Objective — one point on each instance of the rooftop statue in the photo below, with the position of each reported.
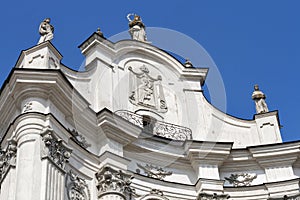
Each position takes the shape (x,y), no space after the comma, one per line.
(46,31)
(137,28)
(259,99)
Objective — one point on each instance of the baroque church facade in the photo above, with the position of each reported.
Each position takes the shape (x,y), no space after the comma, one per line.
(134,125)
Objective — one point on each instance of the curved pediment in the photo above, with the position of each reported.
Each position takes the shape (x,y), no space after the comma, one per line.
(117,54)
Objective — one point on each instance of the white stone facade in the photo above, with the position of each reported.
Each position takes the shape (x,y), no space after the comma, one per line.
(134,125)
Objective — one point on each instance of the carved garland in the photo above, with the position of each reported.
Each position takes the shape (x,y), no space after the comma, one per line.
(8,157)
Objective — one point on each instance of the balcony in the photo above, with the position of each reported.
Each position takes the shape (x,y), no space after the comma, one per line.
(156,127)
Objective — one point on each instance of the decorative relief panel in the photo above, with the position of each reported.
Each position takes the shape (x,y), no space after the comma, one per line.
(55,149)
(110,180)
(146,90)
(8,157)
(77,188)
(154,171)
(241,179)
(79,139)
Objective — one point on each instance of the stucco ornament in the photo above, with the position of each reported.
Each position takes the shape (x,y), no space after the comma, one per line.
(147,91)
(77,187)
(46,31)
(79,139)
(137,28)
(111,180)
(154,194)
(259,99)
(154,171)
(214,196)
(8,157)
(241,179)
(55,149)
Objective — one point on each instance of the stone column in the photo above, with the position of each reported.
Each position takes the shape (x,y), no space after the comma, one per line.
(113,184)
(28,161)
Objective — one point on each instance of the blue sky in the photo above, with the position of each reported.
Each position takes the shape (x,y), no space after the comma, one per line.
(250,41)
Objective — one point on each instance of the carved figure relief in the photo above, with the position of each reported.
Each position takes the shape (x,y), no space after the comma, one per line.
(241,179)
(154,171)
(8,157)
(147,91)
(55,149)
(77,188)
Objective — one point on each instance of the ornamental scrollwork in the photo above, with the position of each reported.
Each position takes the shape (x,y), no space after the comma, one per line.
(8,157)
(77,188)
(79,139)
(172,131)
(131,117)
(241,179)
(111,180)
(155,171)
(160,128)
(55,149)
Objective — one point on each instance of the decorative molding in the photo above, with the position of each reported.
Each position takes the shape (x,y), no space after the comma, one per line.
(27,107)
(214,196)
(154,171)
(79,139)
(110,180)
(285,197)
(241,179)
(77,188)
(35,57)
(160,128)
(147,91)
(55,149)
(8,157)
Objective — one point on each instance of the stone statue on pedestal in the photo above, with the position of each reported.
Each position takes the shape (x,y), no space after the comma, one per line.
(259,99)
(137,28)
(46,31)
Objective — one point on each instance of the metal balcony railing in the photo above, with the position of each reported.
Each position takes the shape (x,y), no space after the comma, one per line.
(158,128)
